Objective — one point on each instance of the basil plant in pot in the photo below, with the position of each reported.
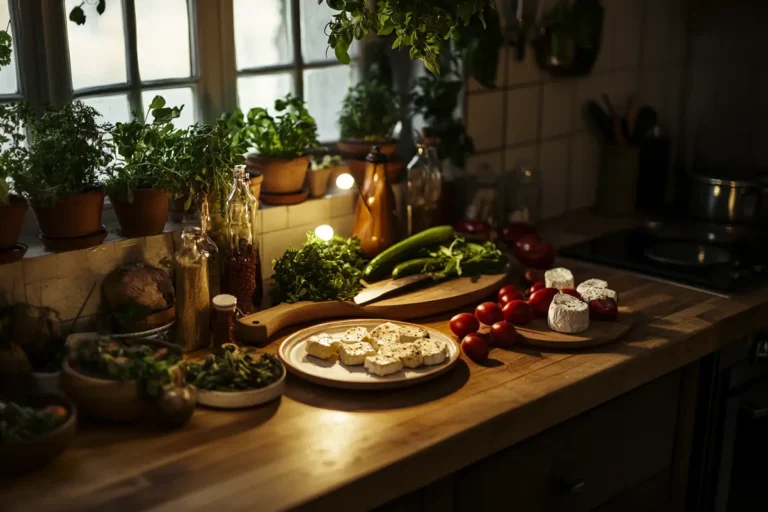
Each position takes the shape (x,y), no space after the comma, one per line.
(281,143)
(143,175)
(369,114)
(13,158)
(68,153)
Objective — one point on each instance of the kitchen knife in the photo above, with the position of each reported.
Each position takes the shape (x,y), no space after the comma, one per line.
(388,288)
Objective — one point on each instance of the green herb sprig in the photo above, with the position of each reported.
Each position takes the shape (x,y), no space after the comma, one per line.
(318,271)
(370,111)
(228,368)
(463,258)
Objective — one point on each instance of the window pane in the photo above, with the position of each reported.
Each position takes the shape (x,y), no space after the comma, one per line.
(262,90)
(262,33)
(174,98)
(97,49)
(324,91)
(113,108)
(8,75)
(314,42)
(162,38)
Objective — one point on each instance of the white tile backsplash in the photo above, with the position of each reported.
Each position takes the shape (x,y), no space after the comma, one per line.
(523,114)
(274,218)
(553,161)
(556,108)
(627,33)
(309,212)
(522,155)
(585,162)
(343,204)
(484,123)
(12,288)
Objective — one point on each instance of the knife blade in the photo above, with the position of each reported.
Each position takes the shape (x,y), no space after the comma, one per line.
(389,288)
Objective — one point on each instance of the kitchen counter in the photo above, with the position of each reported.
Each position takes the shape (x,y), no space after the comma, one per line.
(320,448)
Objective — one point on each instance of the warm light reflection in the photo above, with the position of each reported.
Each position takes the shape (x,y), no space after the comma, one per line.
(345,181)
(324,232)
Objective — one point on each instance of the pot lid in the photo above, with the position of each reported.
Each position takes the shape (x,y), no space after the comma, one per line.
(732,177)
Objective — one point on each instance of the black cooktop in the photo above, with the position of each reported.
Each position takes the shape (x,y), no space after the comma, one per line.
(723,259)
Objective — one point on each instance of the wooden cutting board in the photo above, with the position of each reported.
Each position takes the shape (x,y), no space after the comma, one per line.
(538,333)
(432,300)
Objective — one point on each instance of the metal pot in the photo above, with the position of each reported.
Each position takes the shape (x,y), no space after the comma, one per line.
(720,199)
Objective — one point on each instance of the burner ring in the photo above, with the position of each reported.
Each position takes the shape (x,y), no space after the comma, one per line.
(688,254)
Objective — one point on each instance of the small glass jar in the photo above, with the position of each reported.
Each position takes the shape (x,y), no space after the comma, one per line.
(224,316)
(243,264)
(193,299)
(521,193)
(424,188)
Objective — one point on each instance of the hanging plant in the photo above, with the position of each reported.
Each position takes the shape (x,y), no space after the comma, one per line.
(77,14)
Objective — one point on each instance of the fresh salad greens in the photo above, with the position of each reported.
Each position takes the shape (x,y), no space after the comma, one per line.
(319,271)
(153,366)
(18,422)
(230,369)
(463,258)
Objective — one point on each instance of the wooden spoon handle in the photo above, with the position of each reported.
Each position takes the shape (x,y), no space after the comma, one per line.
(259,327)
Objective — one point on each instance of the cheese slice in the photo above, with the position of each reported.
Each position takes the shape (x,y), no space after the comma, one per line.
(433,351)
(409,355)
(383,364)
(355,353)
(560,278)
(387,328)
(590,294)
(409,334)
(384,335)
(592,283)
(568,314)
(356,335)
(323,346)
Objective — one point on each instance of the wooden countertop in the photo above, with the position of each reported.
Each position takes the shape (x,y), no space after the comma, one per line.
(319,448)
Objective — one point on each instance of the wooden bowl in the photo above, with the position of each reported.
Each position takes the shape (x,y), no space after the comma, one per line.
(111,400)
(36,452)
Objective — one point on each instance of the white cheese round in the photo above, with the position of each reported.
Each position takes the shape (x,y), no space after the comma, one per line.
(560,278)
(592,283)
(590,294)
(568,314)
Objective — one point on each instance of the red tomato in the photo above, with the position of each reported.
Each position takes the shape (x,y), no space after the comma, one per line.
(531,251)
(503,334)
(475,347)
(507,298)
(489,313)
(473,227)
(571,291)
(603,309)
(541,299)
(538,285)
(518,312)
(527,240)
(511,231)
(463,324)
(530,276)
(511,290)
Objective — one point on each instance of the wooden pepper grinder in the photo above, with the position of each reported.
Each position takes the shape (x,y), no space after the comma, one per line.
(375,214)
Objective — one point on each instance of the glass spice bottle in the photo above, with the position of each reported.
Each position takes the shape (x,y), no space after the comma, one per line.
(214,259)
(242,264)
(224,315)
(424,188)
(193,299)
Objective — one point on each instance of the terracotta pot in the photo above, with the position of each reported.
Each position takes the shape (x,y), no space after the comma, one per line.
(255,183)
(318,181)
(13,220)
(146,216)
(358,149)
(280,176)
(71,216)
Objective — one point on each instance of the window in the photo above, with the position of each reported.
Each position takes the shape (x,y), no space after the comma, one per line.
(9,76)
(135,50)
(281,47)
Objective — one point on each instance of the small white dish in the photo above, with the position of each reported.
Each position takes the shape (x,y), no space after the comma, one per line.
(241,399)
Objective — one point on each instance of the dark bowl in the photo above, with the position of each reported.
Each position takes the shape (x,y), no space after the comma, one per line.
(37,452)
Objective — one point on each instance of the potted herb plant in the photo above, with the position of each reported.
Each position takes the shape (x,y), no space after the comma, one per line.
(321,171)
(12,159)
(281,143)
(369,114)
(140,181)
(67,154)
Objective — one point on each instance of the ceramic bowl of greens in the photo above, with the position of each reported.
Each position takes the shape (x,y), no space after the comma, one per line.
(114,380)
(34,430)
(235,378)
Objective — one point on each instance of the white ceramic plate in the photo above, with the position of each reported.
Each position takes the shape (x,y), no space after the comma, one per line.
(293,353)
(241,399)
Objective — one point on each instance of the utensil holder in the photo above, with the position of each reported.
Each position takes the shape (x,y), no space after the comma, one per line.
(617,185)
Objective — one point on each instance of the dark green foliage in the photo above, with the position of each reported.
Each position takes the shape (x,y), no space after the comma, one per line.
(370,111)
(18,423)
(13,155)
(464,258)
(228,368)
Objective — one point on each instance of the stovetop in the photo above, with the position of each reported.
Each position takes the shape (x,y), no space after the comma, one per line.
(718,258)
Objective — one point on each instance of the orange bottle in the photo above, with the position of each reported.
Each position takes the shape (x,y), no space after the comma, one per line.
(375,214)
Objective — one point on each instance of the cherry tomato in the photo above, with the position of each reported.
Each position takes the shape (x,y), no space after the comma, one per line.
(489,313)
(518,312)
(603,309)
(503,334)
(473,227)
(541,299)
(531,251)
(59,412)
(475,347)
(510,290)
(527,240)
(538,285)
(463,324)
(511,231)
(507,298)
(572,292)
(530,276)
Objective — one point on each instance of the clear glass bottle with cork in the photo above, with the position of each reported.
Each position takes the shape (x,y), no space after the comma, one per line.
(424,187)
(193,298)
(242,265)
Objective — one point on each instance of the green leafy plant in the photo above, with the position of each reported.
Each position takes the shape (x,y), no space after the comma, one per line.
(18,423)
(421,26)
(327,162)
(13,153)
(77,14)
(370,111)
(288,135)
(146,153)
(68,153)
(229,368)
(318,271)
(580,22)
(6,47)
